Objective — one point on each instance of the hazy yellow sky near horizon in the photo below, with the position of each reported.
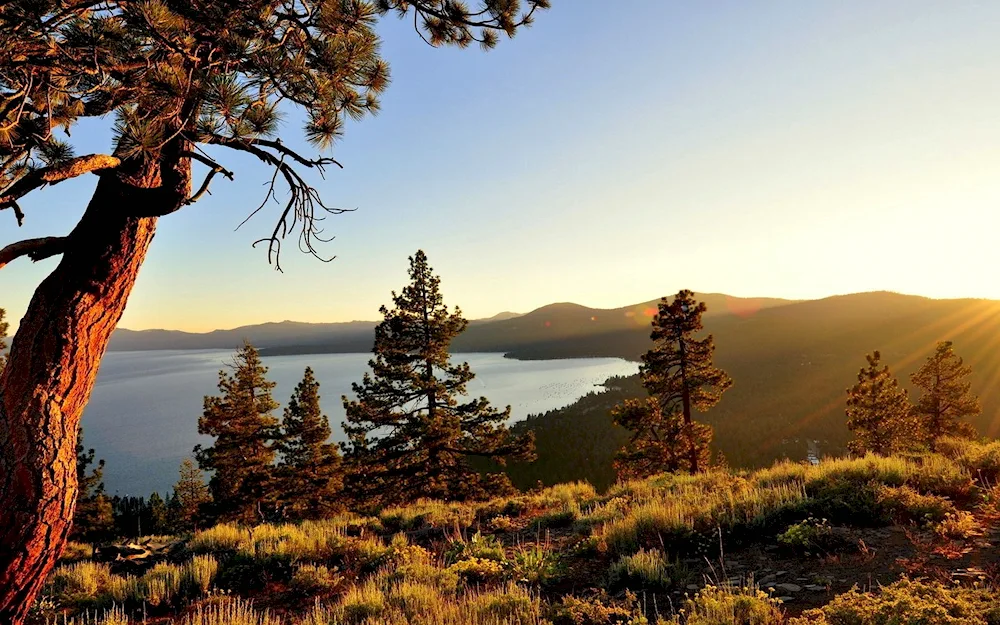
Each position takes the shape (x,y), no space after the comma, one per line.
(774,148)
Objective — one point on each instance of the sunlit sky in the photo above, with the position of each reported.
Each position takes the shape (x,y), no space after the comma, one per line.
(613,153)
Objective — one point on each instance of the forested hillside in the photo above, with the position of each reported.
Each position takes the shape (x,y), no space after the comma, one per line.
(791,366)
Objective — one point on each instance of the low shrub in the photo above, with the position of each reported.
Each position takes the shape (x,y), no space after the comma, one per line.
(730,606)
(907,602)
(478,570)
(644,569)
(310,580)
(536,564)
(958,525)
(594,610)
(482,546)
(906,505)
(511,605)
(812,537)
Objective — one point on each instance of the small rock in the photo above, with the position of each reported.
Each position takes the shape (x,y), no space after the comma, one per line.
(816,588)
(786,599)
(766,579)
(780,573)
(693,587)
(790,587)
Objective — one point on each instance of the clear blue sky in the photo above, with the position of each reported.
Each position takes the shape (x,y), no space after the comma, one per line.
(613,153)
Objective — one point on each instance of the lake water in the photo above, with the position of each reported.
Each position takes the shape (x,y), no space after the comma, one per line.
(143,415)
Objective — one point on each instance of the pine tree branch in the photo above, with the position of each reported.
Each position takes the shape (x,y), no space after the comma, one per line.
(35,249)
(54,174)
(215,169)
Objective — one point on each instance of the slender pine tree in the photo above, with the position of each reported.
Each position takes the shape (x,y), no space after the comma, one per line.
(158,521)
(310,474)
(679,376)
(411,431)
(242,457)
(879,412)
(946,400)
(190,498)
(93,519)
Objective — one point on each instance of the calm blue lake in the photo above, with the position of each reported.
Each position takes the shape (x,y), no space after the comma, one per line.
(143,415)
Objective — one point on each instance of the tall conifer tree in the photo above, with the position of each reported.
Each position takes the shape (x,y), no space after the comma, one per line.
(411,431)
(310,473)
(242,456)
(879,412)
(679,376)
(93,519)
(191,495)
(946,400)
(158,523)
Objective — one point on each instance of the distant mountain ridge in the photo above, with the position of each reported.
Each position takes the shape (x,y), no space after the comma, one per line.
(505,332)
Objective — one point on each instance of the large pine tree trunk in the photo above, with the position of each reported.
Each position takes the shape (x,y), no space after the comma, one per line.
(53,363)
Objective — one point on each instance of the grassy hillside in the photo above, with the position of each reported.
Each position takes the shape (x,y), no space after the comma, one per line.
(778,546)
(790,365)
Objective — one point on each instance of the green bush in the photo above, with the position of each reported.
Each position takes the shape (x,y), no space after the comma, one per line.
(812,537)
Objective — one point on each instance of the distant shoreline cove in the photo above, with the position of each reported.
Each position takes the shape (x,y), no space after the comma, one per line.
(277,352)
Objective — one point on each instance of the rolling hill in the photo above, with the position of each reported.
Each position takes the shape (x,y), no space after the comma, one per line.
(791,365)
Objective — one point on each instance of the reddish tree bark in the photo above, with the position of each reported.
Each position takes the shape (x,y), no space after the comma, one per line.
(54,359)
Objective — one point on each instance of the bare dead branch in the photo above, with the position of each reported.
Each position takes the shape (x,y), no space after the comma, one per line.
(216,169)
(304,203)
(35,249)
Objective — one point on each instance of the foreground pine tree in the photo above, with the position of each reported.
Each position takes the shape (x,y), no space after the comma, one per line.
(879,412)
(241,458)
(679,376)
(191,496)
(93,519)
(310,479)
(175,75)
(946,401)
(411,431)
